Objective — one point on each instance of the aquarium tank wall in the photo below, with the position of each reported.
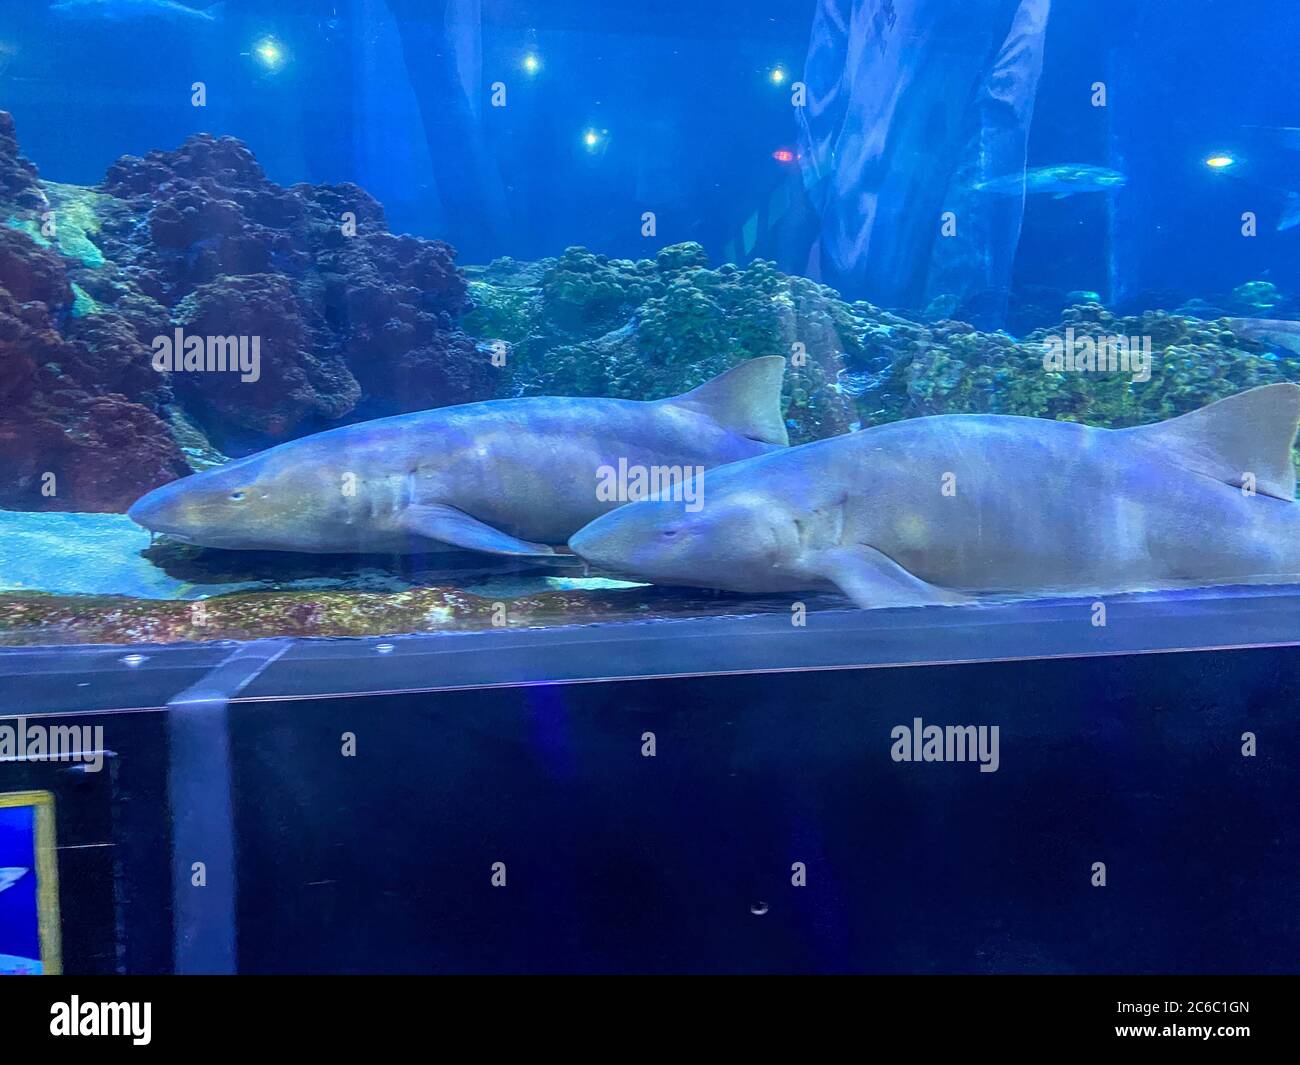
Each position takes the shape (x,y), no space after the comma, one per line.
(940,354)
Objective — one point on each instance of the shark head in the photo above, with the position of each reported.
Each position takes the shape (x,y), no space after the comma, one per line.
(273,501)
(721,545)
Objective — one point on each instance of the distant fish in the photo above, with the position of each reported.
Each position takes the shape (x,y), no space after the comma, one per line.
(1277,331)
(1066,179)
(1287,136)
(123,10)
(1290,216)
(10,875)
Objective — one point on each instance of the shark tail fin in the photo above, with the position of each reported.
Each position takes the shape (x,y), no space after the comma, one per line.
(1250,433)
(1290,217)
(745,399)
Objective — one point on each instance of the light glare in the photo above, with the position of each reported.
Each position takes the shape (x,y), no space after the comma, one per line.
(269,52)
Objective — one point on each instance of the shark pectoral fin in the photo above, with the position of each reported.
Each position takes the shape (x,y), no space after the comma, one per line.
(1061,196)
(451,526)
(873,579)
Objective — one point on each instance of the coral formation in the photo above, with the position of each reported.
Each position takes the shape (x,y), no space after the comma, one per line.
(352,322)
(656,327)
(32,618)
(587,325)
(70,438)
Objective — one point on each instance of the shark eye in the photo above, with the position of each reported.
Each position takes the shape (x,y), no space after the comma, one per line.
(236,496)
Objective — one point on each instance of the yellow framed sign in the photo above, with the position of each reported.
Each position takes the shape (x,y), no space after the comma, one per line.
(29,885)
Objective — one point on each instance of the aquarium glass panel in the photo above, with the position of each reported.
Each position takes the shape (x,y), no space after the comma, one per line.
(974,324)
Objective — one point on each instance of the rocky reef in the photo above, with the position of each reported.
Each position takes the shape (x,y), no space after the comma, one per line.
(28,619)
(353,322)
(584,324)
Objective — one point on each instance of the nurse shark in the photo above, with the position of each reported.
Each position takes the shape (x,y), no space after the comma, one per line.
(1066,179)
(510,476)
(937,510)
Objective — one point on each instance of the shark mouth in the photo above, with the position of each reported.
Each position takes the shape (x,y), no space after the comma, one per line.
(169,538)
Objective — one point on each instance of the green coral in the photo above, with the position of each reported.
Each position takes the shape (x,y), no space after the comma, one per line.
(83,303)
(956,370)
(682,257)
(29,227)
(584,292)
(587,325)
(952,368)
(75,213)
(500,313)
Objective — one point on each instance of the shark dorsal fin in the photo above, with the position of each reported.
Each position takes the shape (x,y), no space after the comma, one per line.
(745,399)
(1249,433)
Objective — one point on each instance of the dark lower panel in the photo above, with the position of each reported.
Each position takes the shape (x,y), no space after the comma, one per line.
(614,861)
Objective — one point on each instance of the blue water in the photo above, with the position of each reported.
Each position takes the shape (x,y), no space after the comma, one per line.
(681,96)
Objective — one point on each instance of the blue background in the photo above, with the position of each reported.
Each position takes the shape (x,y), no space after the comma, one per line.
(19,919)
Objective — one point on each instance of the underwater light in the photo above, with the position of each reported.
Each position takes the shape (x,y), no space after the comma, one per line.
(1220,162)
(532,64)
(269,51)
(591,138)
(783,155)
(777,75)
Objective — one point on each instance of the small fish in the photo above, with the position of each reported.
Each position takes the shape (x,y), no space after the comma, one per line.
(1066,179)
(1287,136)
(122,10)
(1277,331)
(10,875)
